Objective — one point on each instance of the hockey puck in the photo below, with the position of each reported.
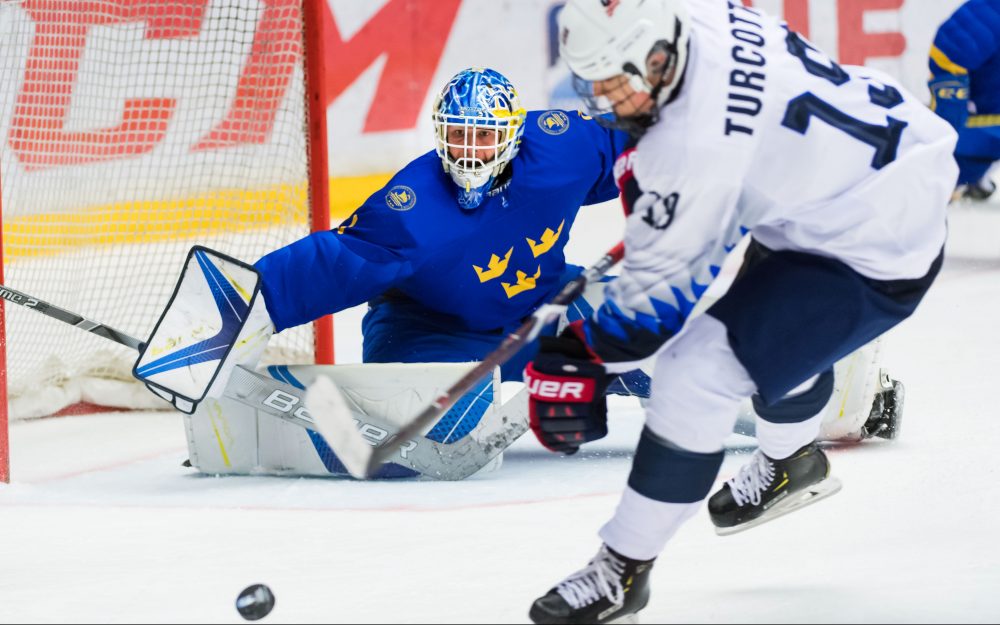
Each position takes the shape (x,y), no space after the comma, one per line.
(255,602)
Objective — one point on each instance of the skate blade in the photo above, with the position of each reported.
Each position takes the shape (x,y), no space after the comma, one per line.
(630,619)
(808,496)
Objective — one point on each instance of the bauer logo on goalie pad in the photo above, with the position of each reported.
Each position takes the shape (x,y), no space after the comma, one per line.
(214,321)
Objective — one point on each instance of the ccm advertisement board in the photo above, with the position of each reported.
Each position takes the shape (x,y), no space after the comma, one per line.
(385,60)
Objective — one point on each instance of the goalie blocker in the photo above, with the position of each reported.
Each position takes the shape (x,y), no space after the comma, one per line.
(214,321)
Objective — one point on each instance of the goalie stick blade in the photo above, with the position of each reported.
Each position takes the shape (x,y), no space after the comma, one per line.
(335,422)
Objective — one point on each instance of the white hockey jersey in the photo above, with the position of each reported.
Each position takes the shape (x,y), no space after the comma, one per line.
(768,135)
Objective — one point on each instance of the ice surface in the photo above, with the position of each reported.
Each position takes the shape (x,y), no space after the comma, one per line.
(102,524)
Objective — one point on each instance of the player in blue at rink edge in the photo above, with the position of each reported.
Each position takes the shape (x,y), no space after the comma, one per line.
(464,242)
(965,90)
(842,180)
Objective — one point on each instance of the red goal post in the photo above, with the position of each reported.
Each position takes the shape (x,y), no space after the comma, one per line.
(131,130)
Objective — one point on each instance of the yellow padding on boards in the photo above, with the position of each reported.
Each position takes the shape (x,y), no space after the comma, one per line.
(347,194)
(233,210)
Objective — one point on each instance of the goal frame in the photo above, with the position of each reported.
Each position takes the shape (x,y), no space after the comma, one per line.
(314,71)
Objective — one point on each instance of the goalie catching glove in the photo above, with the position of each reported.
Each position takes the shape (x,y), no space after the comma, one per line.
(215,321)
(566,387)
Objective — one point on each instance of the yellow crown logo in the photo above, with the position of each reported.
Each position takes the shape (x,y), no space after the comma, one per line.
(495,268)
(524,283)
(548,239)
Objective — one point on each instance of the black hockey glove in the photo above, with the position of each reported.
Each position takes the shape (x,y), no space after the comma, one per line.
(566,386)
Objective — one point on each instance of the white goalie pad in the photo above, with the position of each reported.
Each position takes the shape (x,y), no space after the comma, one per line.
(230,436)
(856,381)
(215,320)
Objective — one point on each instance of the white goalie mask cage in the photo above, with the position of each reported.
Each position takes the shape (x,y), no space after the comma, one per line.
(485,109)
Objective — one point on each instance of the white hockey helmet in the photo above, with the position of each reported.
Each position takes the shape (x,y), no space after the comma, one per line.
(646,40)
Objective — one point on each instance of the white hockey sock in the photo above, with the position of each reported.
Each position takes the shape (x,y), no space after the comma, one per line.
(642,526)
(781,440)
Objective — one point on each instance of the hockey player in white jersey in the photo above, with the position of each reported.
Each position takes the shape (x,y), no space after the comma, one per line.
(841,178)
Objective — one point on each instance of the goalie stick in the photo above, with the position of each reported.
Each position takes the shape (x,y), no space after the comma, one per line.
(443,461)
(335,420)
(49,310)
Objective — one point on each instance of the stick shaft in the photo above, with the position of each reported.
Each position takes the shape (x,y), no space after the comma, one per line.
(507,349)
(49,310)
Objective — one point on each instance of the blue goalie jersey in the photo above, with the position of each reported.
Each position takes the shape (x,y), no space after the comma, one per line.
(482,269)
(965,84)
(968,44)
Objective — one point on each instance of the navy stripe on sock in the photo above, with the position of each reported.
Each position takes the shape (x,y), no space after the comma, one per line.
(664,472)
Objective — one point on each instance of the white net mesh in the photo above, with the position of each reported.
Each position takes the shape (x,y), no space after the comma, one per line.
(133,129)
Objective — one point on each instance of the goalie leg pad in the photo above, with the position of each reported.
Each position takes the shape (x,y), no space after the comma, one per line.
(261,425)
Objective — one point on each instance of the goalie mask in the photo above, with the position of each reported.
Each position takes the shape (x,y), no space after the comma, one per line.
(622,50)
(478,123)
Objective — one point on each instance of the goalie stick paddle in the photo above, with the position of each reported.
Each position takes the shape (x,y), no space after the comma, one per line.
(16,297)
(336,423)
(333,419)
(336,416)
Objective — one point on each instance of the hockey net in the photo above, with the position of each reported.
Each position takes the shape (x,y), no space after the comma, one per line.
(133,129)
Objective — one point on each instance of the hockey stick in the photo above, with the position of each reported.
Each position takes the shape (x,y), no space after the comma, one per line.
(49,310)
(335,421)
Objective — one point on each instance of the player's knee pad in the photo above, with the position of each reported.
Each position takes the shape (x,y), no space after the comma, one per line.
(797,407)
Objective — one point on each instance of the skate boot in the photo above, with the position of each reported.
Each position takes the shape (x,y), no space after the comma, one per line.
(765,489)
(610,589)
(980,191)
(887,410)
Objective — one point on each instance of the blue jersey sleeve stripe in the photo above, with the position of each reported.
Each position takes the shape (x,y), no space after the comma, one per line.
(983,121)
(941,59)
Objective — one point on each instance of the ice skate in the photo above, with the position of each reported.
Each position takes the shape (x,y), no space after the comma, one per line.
(887,410)
(610,589)
(766,489)
(979,191)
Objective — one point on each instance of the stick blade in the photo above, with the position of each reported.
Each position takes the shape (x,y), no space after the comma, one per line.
(335,422)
